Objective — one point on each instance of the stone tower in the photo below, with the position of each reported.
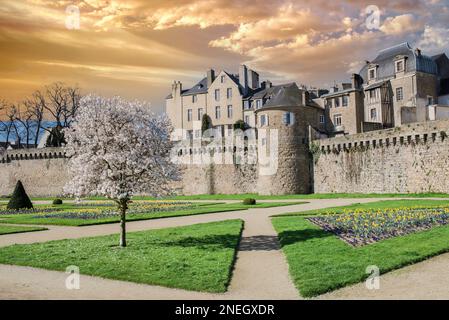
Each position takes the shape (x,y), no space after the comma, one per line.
(283,124)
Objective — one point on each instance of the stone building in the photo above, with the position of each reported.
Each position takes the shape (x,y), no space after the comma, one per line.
(225,98)
(400,84)
(344,107)
(219,96)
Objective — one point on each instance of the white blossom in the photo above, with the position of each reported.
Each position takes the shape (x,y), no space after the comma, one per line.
(118,148)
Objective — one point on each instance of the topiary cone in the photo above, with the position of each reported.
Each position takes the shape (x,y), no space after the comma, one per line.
(19,198)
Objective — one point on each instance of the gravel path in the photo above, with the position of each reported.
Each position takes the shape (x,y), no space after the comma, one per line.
(261,271)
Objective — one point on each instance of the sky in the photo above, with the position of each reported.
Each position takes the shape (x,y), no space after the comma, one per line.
(137,48)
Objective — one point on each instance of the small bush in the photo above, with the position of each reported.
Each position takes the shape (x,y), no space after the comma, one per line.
(19,198)
(57,201)
(249,201)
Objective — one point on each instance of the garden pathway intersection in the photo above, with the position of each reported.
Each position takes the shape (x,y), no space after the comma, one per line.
(260,271)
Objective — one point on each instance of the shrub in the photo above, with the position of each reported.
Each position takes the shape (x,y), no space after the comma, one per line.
(57,201)
(249,201)
(19,198)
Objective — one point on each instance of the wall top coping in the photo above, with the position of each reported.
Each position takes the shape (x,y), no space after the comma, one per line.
(404,130)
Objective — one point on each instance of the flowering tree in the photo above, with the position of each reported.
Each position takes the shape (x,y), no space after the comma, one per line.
(118,148)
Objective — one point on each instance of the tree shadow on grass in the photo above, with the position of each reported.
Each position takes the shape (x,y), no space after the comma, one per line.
(259,243)
(218,241)
(291,237)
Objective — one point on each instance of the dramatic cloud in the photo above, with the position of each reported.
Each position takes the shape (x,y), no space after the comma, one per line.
(434,39)
(401,24)
(136,48)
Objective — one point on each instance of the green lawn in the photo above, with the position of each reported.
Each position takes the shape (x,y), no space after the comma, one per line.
(320,262)
(197,257)
(18,229)
(198,209)
(372,205)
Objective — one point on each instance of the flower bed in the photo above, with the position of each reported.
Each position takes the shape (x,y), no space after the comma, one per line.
(4,211)
(100,213)
(363,227)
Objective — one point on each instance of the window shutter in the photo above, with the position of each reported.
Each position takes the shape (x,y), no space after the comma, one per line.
(292,118)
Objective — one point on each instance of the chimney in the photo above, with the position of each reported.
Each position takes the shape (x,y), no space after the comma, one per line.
(356,81)
(243,78)
(176,88)
(210,77)
(305,97)
(253,79)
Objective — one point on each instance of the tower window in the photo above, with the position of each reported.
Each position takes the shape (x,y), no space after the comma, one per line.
(289,118)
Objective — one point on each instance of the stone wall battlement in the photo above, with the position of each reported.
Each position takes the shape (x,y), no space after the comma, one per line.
(426,132)
(32,154)
(408,159)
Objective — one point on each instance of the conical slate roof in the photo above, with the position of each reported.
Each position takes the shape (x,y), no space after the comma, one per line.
(286,96)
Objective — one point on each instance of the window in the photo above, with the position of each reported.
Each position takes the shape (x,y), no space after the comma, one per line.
(329,103)
(288,118)
(247,120)
(374,95)
(337,102)
(400,66)
(337,120)
(263,120)
(217,112)
(258,104)
(194,98)
(247,104)
(429,100)
(189,115)
(321,118)
(372,74)
(229,93)
(200,114)
(399,94)
(197,134)
(229,130)
(217,94)
(223,79)
(229,111)
(373,113)
(345,101)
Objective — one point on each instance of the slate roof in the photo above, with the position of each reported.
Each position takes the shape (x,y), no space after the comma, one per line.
(414,62)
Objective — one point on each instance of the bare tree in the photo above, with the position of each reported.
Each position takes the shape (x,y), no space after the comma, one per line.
(35,109)
(61,102)
(12,114)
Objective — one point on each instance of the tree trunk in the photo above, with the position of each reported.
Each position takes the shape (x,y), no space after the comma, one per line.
(123,225)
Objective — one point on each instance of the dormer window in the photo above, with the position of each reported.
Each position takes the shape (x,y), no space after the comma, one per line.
(399,66)
(372,74)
